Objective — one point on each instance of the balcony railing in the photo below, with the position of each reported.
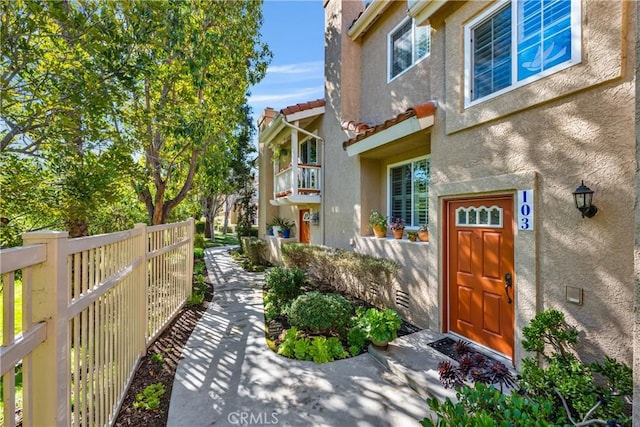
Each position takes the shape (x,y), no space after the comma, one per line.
(307,182)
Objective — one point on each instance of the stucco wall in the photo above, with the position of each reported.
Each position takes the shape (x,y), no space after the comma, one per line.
(636,335)
(381,99)
(559,135)
(341,174)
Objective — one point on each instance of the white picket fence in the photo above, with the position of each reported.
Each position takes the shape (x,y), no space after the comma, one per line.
(90,308)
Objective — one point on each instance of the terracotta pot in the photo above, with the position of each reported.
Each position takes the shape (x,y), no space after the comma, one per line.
(382,344)
(412,237)
(380,231)
(398,233)
(423,236)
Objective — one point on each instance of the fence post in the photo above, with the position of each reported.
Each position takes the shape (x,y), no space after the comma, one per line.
(189,267)
(143,281)
(50,360)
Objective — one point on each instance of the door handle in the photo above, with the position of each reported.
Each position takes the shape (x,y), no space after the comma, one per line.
(508,282)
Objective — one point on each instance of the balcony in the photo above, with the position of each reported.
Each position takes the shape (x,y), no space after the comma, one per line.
(296,185)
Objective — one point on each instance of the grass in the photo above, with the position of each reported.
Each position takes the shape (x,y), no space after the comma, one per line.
(16,330)
(223,240)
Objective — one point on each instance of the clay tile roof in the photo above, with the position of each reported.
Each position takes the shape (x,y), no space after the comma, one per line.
(418,111)
(302,107)
(355,127)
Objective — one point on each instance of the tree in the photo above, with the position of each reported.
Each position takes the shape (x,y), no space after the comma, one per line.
(201,61)
(226,169)
(63,78)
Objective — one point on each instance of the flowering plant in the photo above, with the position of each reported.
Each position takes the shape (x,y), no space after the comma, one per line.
(397,224)
(423,227)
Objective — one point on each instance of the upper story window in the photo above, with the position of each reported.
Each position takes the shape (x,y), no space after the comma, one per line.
(409,191)
(407,45)
(517,42)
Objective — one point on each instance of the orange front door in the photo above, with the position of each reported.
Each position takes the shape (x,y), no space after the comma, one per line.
(305,229)
(480,271)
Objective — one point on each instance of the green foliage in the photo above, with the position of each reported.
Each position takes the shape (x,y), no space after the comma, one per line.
(380,325)
(198,253)
(564,391)
(338,267)
(287,347)
(254,249)
(484,405)
(199,266)
(149,399)
(302,349)
(320,313)
(549,329)
(157,358)
(285,282)
(357,339)
(198,241)
(376,219)
(320,352)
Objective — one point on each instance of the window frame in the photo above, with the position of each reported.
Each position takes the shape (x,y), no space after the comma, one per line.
(389,195)
(414,60)
(576,50)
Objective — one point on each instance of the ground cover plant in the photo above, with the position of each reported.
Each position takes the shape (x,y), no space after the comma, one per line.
(554,388)
(307,321)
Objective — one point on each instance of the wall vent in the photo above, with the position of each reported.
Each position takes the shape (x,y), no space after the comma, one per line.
(402,298)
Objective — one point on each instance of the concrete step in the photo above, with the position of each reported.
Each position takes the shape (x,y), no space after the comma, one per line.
(415,363)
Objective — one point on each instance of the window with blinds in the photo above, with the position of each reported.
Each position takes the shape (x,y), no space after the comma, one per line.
(407,45)
(520,41)
(409,191)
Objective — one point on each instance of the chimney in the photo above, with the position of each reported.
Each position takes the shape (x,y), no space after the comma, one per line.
(266,118)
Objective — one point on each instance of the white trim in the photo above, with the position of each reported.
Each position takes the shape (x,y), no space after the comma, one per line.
(388,178)
(395,132)
(368,17)
(488,209)
(414,60)
(576,51)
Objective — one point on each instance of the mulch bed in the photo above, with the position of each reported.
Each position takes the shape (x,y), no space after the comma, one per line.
(170,344)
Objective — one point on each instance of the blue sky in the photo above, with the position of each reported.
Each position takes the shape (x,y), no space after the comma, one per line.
(294,31)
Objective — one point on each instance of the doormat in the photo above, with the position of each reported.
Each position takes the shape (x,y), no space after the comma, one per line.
(446,346)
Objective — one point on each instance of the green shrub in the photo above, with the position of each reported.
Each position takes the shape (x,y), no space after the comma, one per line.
(200,225)
(198,241)
(149,399)
(287,347)
(198,253)
(564,391)
(357,339)
(319,350)
(344,270)
(320,313)
(336,350)
(484,405)
(380,325)
(302,349)
(285,282)
(254,249)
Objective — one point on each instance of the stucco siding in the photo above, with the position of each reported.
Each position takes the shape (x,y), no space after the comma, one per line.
(381,99)
(580,126)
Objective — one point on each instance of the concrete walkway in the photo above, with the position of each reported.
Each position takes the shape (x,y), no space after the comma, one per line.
(228,375)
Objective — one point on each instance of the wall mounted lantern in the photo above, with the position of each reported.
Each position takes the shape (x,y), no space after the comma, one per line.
(583,197)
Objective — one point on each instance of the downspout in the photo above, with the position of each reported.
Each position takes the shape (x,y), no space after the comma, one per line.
(299,129)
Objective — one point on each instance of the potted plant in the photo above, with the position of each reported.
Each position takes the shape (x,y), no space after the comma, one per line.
(378,223)
(381,326)
(423,233)
(397,227)
(285,228)
(275,225)
(412,236)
